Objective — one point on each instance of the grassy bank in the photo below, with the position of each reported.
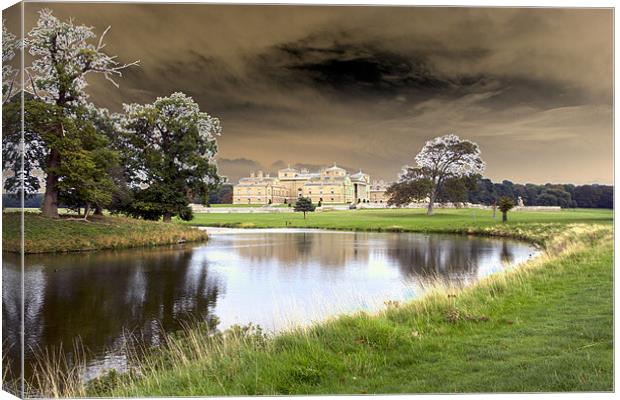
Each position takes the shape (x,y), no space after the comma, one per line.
(43,235)
(547,326)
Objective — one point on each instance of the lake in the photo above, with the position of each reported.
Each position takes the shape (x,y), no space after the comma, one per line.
(275,278)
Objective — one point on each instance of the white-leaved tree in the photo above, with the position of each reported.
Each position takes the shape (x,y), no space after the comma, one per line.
(63,55)
(9,74)
(442,160)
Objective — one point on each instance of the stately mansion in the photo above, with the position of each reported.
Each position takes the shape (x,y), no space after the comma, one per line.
(333,185)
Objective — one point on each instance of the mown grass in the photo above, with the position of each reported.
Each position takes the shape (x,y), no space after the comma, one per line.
(43,235)
(412,220)
(546,326)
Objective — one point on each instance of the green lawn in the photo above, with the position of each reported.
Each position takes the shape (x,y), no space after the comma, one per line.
(444,220)
(43,235)
(547,326)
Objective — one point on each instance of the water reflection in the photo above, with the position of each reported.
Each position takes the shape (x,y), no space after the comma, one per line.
(269,278)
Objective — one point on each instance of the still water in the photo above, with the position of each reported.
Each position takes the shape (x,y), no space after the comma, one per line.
(273,278)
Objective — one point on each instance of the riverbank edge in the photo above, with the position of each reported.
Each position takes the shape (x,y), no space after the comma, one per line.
(56,236)
(534,233)
(163,372)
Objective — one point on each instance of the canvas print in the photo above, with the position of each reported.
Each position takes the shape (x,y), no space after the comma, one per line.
(231,199)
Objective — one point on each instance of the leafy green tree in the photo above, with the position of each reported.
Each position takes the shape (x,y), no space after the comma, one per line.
(169,148)
(416,188)
(505,204)
(85,170)
(86,159)
(408,190)
(304,204)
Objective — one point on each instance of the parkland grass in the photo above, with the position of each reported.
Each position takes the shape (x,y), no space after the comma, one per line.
(533,226)
(44,235)
(545,326)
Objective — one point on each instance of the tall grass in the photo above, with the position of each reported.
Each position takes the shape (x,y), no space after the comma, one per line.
(450,331)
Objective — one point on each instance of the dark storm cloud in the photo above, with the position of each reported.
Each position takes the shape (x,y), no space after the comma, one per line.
(347,67)
(367,86)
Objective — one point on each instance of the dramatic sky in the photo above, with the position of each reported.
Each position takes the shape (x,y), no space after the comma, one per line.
(366,86)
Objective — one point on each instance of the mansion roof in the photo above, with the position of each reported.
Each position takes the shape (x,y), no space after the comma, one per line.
(333,175)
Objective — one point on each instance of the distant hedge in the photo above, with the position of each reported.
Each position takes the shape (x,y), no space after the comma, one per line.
(549,194)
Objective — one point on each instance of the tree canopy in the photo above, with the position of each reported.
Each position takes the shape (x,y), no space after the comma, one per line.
(170,147)
(442,168)
(505,204)
(148,161)
(304,204)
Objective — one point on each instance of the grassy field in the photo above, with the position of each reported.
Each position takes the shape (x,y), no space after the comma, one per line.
(414,220)
(44,235)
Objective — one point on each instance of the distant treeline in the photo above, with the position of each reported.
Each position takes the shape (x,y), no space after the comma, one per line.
(563,195)
(223,194)
(484,192)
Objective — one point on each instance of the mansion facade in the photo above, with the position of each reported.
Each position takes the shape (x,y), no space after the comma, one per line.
(333,185)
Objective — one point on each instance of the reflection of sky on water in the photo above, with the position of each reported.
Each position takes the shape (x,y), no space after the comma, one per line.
(272,278)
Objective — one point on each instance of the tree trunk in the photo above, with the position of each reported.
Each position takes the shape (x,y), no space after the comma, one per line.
(98,210)
(431,202)
(167,217)
(504,216)
(304,215)
(86,211)
(49,208)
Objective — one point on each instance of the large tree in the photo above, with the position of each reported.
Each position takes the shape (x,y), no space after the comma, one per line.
(444,160)
(171,146)
(63,55)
